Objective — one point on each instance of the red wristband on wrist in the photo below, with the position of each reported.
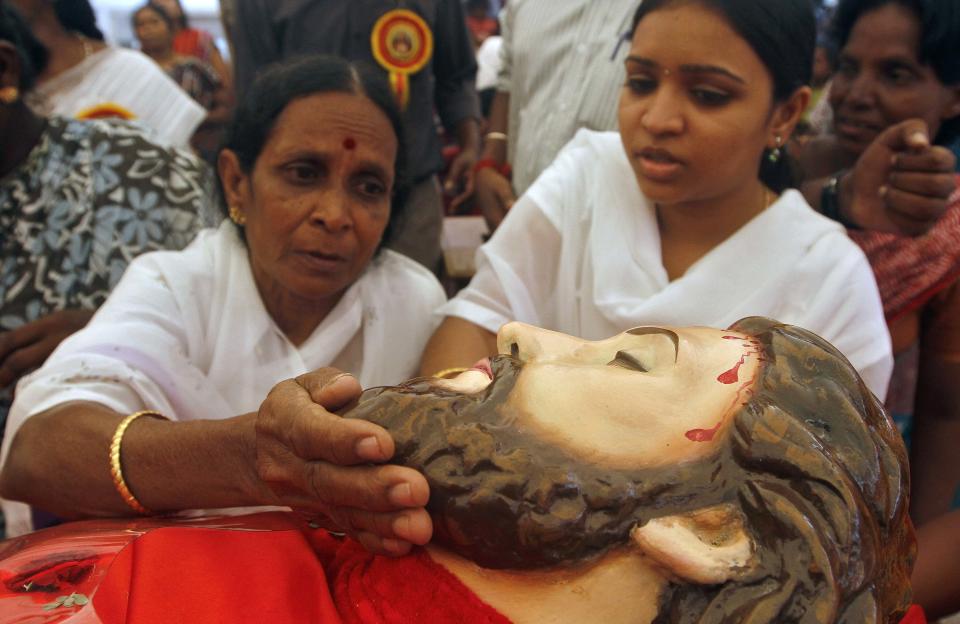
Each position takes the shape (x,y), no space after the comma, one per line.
(489,163)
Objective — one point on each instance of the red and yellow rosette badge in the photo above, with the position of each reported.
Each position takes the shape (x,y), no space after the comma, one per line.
(402,43)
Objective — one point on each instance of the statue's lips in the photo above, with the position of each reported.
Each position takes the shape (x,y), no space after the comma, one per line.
(484,367)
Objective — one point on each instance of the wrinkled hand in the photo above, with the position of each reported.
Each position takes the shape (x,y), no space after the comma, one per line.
(461,174)
(27,347)
(901,183)
(319,464)
(494,195)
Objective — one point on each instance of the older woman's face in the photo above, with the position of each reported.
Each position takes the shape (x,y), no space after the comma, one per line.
(318,198)
(880,81)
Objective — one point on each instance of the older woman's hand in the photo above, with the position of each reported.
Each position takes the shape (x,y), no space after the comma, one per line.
(319,464)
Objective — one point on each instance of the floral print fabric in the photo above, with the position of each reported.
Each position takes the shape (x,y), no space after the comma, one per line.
(90,197)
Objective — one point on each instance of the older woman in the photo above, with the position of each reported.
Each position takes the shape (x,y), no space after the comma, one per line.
(892,157)
(296,281)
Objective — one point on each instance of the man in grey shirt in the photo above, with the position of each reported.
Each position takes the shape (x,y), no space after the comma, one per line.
(423,46)
(561,70)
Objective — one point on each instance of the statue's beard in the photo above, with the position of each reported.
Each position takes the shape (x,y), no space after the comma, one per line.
(505,498)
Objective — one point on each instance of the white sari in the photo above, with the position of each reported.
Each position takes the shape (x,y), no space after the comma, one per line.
(186,334)
(580,253)
(117,82)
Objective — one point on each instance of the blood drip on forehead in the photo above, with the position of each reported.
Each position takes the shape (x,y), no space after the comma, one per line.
(349,143)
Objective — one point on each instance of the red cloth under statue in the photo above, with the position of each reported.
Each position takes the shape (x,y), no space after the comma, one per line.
(267,567)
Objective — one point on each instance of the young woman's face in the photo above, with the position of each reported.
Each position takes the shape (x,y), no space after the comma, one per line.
(697,109)
(151,30)
(880,80)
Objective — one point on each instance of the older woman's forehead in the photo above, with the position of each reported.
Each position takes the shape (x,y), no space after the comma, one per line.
(329,119)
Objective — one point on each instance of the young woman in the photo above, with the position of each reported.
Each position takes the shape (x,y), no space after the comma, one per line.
(685,217)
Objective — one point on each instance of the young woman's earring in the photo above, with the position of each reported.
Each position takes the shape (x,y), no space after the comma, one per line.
(776,153)
(236,216)
(9,95)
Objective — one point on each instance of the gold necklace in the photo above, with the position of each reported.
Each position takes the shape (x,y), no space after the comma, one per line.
(85,44)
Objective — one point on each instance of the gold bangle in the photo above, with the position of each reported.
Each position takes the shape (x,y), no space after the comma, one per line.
(449,372)
(495,136)
(117,471)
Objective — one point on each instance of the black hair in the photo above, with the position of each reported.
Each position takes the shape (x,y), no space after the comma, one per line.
(939,40)
(280,84)
(33,55)
(159,10)
(181,21)
(78,16)
(783,34)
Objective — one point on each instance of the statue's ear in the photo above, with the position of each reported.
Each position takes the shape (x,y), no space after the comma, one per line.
(707,547)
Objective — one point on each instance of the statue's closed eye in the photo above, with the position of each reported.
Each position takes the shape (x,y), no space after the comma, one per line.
(625,359)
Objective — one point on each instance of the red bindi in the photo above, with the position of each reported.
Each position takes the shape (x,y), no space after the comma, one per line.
(349,143)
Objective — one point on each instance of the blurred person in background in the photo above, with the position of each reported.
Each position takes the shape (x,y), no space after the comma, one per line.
(189,41)
(154,29)
(480,22)
(561,69)
(78,201)
(87,79)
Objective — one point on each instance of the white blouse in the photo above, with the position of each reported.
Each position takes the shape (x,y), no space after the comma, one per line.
(580,253)
(186,333)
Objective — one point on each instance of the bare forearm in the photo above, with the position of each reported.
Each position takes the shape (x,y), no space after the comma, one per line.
(468,135)
(935,583)
(457,343)
(59,461)
(498,122)
(935,473)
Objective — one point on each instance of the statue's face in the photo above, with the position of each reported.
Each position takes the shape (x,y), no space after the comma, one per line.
(647,397)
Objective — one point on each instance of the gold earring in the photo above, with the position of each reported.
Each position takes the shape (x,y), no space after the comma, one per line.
(236,216)
(9,95)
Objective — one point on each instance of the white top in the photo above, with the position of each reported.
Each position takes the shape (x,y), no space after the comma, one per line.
(128,79)
(562,64)
(580,253)
(186,333)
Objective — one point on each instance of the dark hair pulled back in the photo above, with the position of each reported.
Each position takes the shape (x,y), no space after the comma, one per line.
(280,84)
(78,16)
(783,34)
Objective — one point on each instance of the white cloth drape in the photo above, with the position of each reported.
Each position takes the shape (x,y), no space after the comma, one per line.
(186,333)
(127,78)
(580,253)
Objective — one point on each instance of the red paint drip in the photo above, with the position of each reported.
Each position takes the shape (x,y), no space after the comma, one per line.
(703,435)
(349,143)
(733,338)
(732,375)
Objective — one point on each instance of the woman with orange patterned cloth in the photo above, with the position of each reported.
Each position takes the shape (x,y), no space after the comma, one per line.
(896,104)
(88,79)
